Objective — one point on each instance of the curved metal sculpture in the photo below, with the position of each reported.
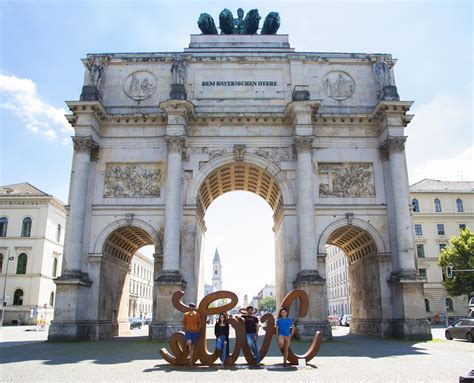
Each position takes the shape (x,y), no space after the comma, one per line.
(271,24)
(179,351)
(206,24)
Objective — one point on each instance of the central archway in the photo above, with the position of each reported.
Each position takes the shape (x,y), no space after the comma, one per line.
(263,178)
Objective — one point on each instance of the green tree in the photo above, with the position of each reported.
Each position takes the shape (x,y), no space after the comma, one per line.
(460,254)
(267,304)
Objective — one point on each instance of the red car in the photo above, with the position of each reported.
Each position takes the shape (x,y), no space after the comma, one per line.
(461,329)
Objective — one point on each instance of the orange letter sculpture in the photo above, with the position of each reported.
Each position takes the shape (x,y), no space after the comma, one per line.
(180,354)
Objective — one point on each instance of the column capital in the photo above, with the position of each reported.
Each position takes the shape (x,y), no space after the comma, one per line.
(392,144)
(86,144)
(303,144)
(175,144)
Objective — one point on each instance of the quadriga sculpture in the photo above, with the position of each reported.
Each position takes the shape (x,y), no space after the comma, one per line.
(271,24)
(251,22)
(206,24)
(226,22)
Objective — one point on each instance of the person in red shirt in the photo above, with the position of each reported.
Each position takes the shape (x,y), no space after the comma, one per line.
(192,329)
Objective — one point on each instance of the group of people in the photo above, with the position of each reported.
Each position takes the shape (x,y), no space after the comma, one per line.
(192,329)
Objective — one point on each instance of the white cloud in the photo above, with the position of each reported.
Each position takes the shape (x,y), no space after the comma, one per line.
(38,116)
(458,167)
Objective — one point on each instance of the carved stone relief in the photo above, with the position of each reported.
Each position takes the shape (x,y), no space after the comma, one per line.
(346,179)
(133,180)
(274,154)
(338,85)
(140,85)
(216,153)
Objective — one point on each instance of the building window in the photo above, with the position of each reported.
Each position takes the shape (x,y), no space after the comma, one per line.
(442,246)
(55,267)
(449,304)
(58,234)
(462,226)
(427,305)
(437,205)
(440,227)
(18,297)
(26,227)
(418,229)
(422,273)
(416,206)
(420,250)
(51,299)
(1,263)
(215,272)
(459,207)
(3,226)
(21,264)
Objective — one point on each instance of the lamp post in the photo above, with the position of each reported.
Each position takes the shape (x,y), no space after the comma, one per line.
(5,287)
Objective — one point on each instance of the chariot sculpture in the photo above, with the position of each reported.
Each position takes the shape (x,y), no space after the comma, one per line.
(240,25)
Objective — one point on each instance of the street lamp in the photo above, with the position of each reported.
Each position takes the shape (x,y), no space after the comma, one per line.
(4,303)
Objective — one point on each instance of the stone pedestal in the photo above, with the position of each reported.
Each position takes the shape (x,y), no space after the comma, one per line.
(70,311)
(409,317)
(177,92)
(316,320)
(167,320)
(90,93)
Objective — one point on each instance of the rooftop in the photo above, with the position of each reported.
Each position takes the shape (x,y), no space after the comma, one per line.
(437,186)
(21,189)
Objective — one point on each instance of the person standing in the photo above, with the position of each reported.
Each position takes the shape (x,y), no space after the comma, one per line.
(192,329)
(251,332)
(221,331)
(284,330)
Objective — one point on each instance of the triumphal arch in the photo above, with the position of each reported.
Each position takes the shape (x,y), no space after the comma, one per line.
(159,136)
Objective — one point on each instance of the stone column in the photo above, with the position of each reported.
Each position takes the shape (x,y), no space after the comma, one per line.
(408,316)
(393,148)
(173,204)
(84,147)
(305,203)
(73,286)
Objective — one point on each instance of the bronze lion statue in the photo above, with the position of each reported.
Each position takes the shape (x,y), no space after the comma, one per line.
(271,24)
(226,22)
(206,24)
(251,22)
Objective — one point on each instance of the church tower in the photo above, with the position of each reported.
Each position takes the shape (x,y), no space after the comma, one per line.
(216,272)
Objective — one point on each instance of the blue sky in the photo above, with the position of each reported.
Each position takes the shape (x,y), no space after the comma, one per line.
(42,43)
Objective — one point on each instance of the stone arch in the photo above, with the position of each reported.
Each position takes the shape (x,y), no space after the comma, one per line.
(269,167)
(137,229)
(361,244)
(342,229)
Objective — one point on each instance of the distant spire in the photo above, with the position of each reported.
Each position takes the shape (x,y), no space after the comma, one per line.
(216,257)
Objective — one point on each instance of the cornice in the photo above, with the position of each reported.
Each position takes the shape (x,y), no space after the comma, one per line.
(94,108)
(385,108)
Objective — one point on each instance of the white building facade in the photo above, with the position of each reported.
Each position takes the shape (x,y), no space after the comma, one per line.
(140,287)
(32,227)
(338,285)
(319,136)
(440,210)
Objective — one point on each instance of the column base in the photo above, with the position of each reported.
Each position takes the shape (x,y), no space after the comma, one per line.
(412,329)
(371,327)
(80,330)
(316,319)
(167,319)
(409,317)
(162,331)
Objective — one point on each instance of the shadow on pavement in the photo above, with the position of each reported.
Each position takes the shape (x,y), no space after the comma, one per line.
(127,349)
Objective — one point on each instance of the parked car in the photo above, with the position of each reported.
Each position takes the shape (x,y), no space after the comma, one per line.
(461,329)
(147,320)
(135,323)
(346,320)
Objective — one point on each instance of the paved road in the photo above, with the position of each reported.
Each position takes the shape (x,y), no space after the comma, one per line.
(346,358)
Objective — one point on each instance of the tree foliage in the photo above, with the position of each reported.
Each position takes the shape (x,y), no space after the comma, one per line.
(460,254)
(267,304)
